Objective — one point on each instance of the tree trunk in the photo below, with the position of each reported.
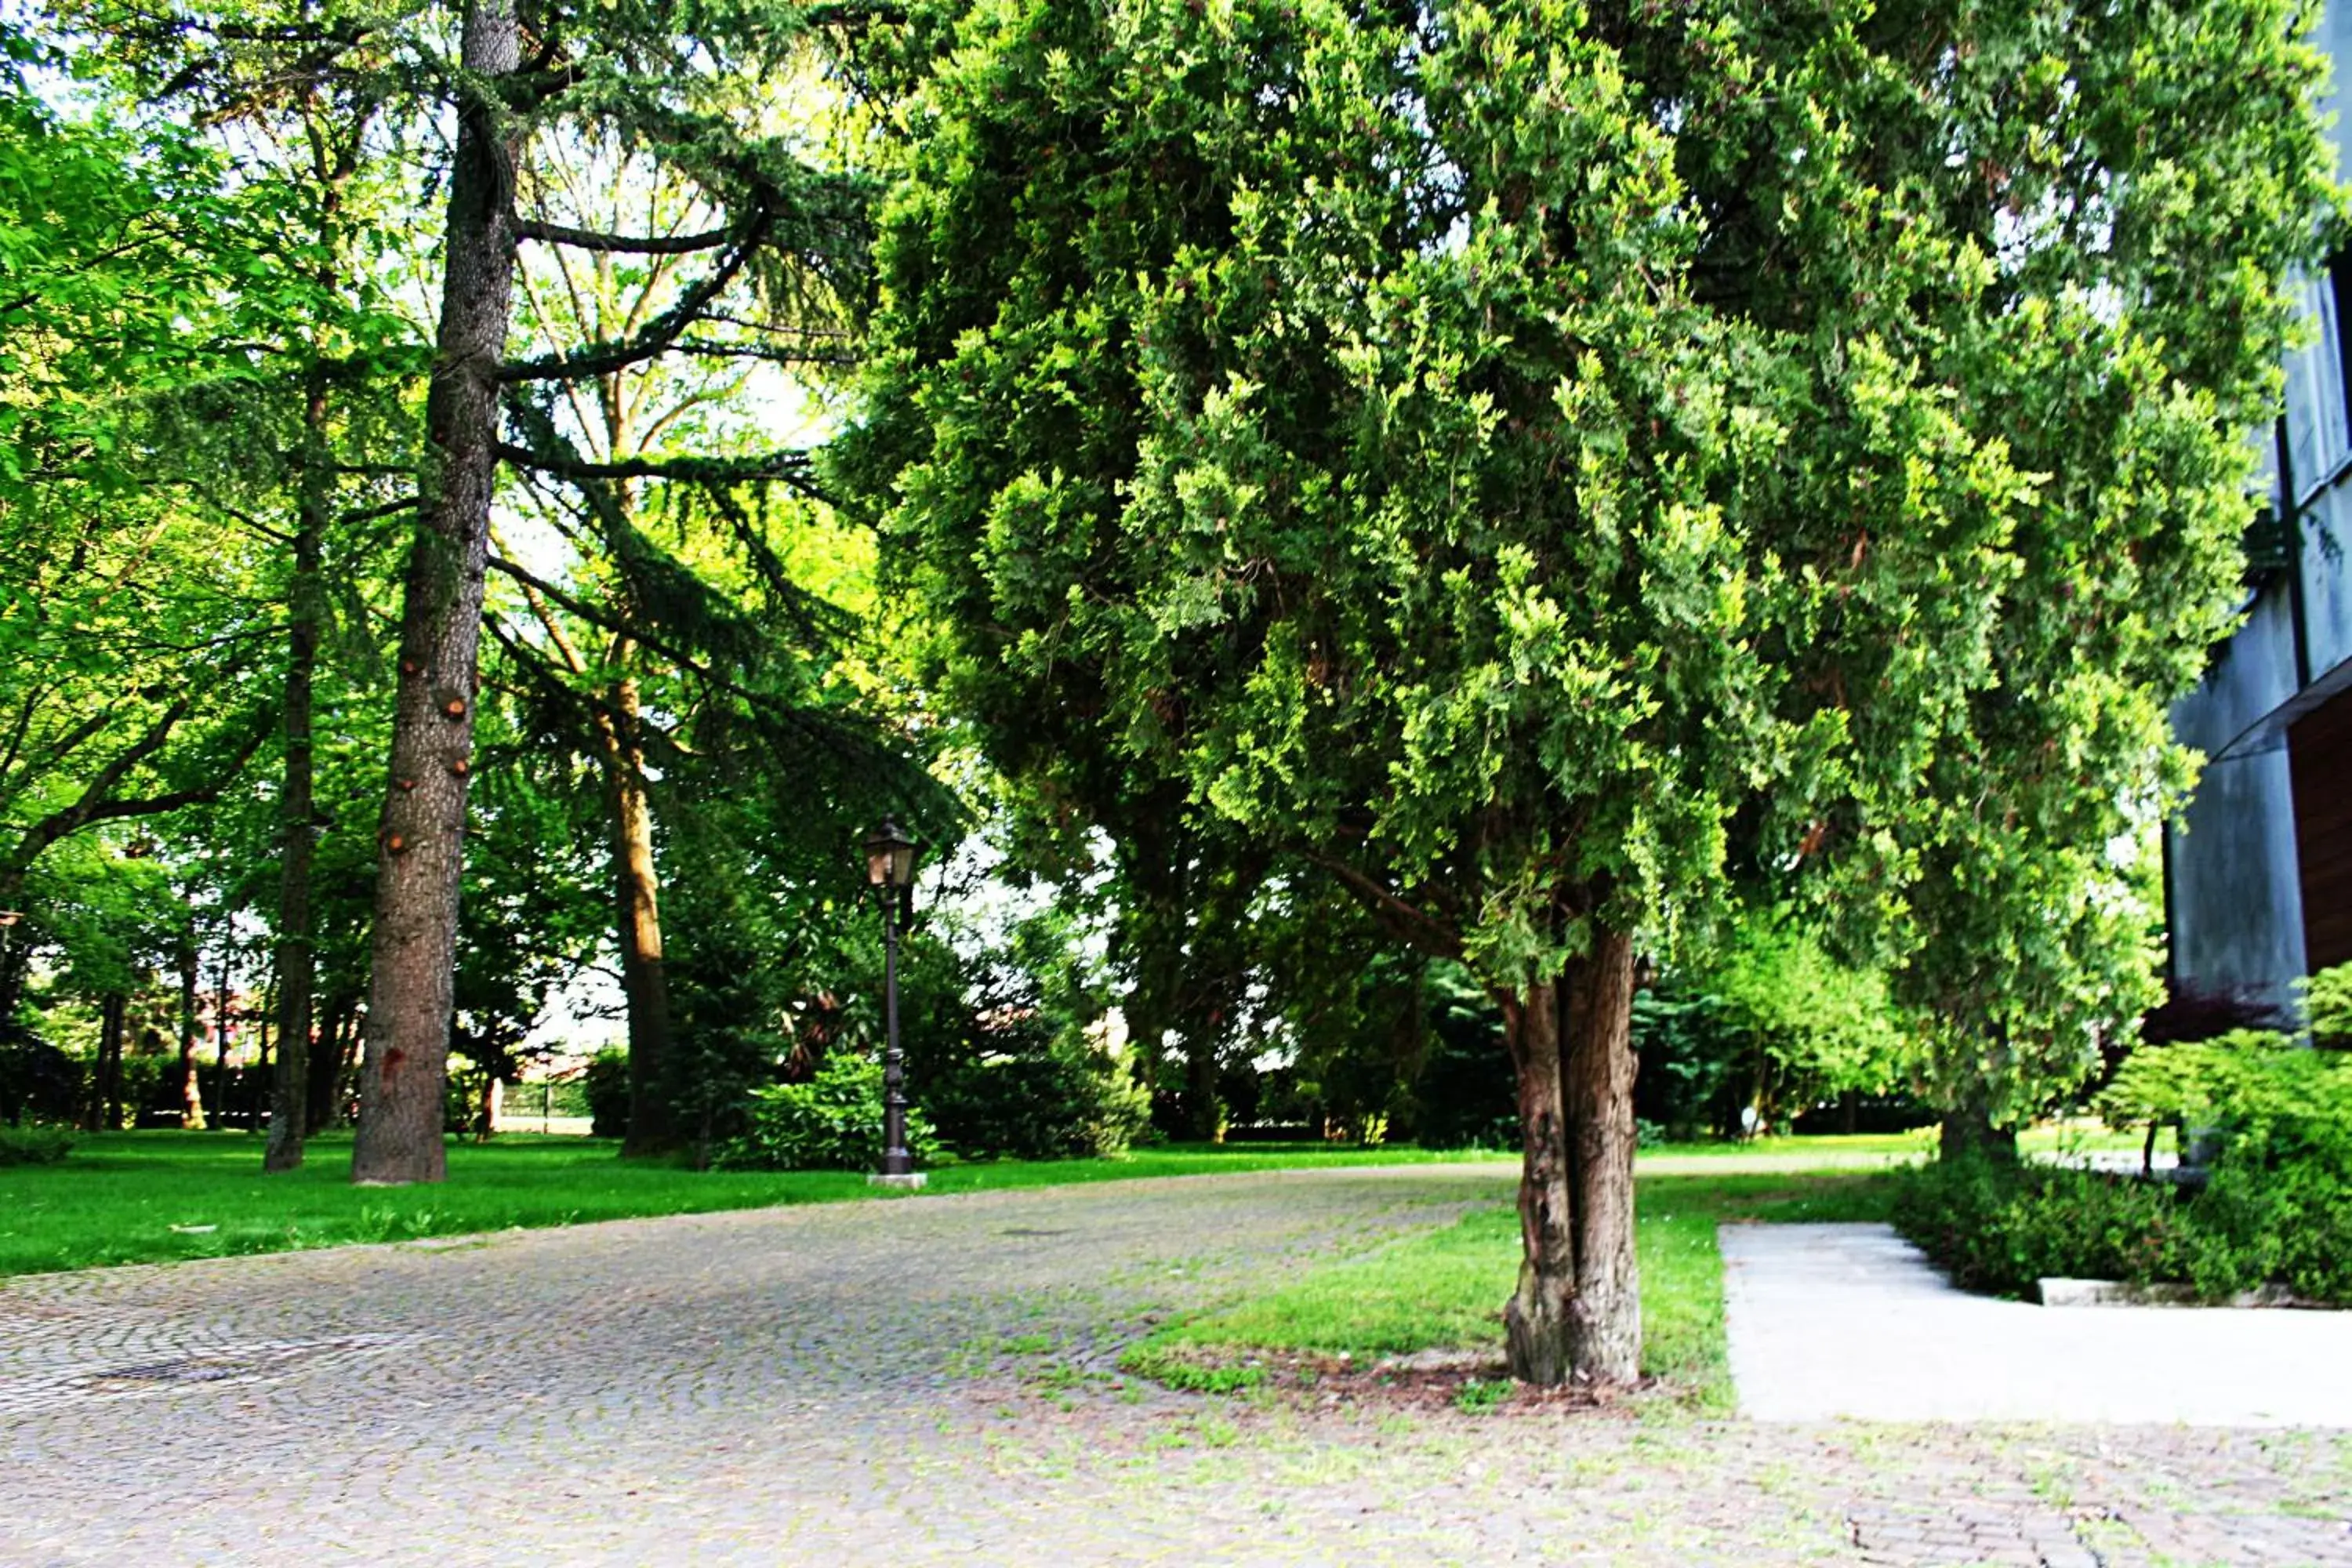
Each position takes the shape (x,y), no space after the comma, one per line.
(323,1082)
(220,1034)
(256,1087)
(289,1099)
(1202,1113)
(1536,1320)
(1597,1070)
(192,1097)
(637,886)
(420,847)
(1968,1133)
(105,1112)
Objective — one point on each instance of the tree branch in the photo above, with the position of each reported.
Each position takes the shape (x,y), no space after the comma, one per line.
(644,245)
(664,328)
(95,804)
(1414,923)
(790,467)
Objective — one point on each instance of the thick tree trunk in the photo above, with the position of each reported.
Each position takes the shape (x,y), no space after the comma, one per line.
(420,850)
(637,886)
(192,1097)
(1597,1070)
(1536,1320)
(289,1099)
(1967,1132)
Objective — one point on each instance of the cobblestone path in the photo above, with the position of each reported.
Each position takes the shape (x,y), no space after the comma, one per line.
(919,1381)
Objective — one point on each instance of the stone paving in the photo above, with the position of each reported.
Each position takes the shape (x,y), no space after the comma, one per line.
(927,1381)
(1828,1320)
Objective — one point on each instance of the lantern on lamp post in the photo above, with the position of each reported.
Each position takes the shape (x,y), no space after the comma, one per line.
(890,872)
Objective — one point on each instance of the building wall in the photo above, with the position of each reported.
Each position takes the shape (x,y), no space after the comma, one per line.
(2233,882)
(2258,870)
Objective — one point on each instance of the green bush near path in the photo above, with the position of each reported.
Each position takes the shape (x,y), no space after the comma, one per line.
(1444,1289)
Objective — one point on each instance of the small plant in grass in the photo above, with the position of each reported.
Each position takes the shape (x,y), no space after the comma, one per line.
(1483,1396)
(1166,1366)
(33,1145)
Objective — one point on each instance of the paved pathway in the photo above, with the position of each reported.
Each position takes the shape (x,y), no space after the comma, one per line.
(923,1382)
(1850,1319)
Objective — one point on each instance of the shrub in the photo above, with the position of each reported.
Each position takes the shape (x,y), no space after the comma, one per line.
(1065,1099)
(2327,1007)
(831,1122)
(36,1079)
(1997,1225)
(2276,1209)
(607,1084)
(33,1145)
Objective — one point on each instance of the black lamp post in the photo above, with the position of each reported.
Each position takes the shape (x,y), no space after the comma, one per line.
(890,872)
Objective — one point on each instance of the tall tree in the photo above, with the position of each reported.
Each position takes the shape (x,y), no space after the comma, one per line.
(1513,458)
(785,220)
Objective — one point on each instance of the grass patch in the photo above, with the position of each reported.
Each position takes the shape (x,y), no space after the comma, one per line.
(1444,1289)
(161,1196)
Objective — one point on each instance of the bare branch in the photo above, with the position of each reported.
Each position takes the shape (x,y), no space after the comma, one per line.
(638,245)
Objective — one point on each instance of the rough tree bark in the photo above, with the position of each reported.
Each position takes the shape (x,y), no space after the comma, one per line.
(220,1034)
(1604,1319)
(420,846)
(297,955)
(1536,1320)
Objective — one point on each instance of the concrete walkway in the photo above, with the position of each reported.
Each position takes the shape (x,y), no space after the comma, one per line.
(1830,1321)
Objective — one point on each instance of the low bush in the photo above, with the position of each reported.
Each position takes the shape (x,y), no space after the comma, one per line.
(605,1084)
(831,1122)
(1998,1227)
(2275,1208)
(33,1145)
(1065,1099)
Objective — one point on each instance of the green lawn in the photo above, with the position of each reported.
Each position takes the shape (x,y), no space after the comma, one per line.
(1445,1289)
(145,1197)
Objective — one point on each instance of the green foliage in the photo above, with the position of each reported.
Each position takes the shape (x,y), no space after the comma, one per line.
(37,1079)
(606,1081)
(2327,1007)
(1038,1099)
(831,1122)
(1464,1097)
(33,1145)
(1997,1225)
(2276,1209)
(1549,468)
(1766,1019)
